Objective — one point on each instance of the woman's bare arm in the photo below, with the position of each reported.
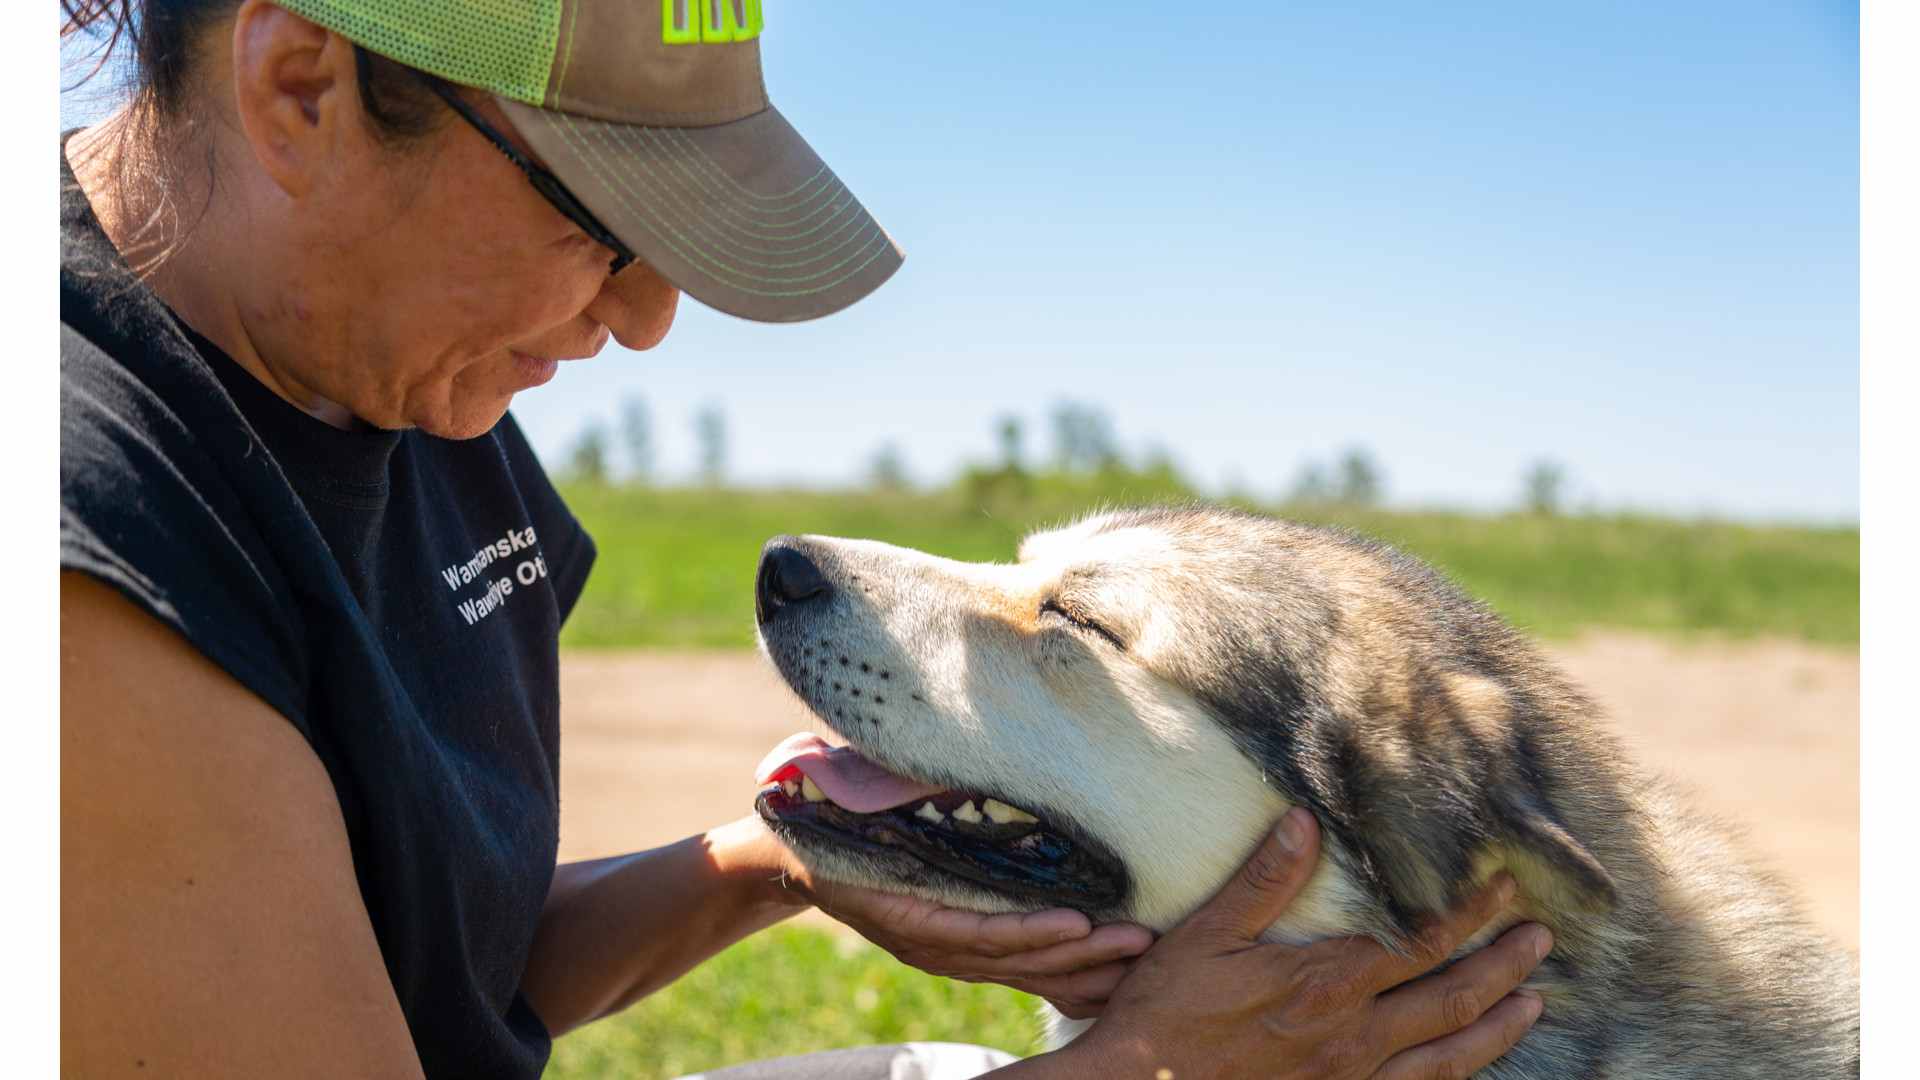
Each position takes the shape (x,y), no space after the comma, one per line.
(210,922)
(615,930)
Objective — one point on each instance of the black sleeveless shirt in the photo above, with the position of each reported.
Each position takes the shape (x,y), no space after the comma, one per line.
(397,597)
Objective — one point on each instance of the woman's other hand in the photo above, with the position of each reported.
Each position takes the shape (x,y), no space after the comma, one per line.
(1210,1000)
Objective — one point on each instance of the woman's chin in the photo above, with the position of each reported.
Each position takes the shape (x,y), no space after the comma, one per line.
(473,425)
(468,418)
(472,405)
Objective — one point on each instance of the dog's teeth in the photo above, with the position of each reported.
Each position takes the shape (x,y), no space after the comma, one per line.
(1003,814)
(811,790)
(792,789)
(967,813)
(931,813)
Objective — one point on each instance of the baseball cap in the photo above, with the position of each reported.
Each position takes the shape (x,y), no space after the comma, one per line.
(655,114)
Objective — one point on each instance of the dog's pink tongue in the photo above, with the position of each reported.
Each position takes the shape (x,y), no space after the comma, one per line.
(843,775)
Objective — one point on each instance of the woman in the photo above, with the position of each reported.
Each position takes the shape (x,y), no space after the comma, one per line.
(313,577)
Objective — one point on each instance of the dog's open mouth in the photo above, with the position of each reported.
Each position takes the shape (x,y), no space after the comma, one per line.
(832,794)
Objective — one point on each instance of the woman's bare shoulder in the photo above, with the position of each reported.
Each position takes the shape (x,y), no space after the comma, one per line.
(211,922)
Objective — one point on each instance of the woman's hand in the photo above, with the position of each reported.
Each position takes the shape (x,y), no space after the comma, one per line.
(1209,1000)
(1057,955)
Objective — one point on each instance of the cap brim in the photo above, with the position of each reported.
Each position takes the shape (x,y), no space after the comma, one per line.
(743,217)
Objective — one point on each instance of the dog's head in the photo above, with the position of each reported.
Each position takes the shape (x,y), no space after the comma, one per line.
(1112,722)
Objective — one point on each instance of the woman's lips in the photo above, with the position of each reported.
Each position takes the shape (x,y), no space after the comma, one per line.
(537,370)
(534,370)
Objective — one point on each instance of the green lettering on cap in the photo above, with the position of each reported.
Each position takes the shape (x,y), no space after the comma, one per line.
(710,22)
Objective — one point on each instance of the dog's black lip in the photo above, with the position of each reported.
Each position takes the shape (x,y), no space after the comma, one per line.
(1070,872)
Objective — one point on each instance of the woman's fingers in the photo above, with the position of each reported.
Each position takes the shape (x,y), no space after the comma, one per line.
(1003,934)
(1081,994)
(1441,937)
(1254,897)
(1475,1047)
(935,927)
(1108,943)
(1025,950)
(1449,1001)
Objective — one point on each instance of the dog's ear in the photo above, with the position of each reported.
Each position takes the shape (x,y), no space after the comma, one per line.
(1554,870)
(1552,866)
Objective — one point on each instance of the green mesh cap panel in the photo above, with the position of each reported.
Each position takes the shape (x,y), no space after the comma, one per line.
(505,46)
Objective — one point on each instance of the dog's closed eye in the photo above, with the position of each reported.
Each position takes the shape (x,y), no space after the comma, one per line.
(1077,617)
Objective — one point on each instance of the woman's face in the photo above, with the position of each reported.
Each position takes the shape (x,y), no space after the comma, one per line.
(446,284)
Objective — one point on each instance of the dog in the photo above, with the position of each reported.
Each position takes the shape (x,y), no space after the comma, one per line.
(1114,721)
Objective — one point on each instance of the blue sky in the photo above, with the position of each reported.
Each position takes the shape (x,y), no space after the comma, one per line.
(1465,236)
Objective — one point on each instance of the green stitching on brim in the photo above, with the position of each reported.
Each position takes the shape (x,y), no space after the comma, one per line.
(711,213)
(715,169)
(688,250)
(506,46)
(661,191)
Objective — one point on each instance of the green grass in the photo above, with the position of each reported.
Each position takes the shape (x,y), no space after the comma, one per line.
(676,566)
(791,991)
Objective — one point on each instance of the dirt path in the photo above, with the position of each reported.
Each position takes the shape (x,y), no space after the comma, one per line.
(658,745)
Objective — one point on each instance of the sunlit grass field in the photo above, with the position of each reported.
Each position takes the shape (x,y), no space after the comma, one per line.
(676,569)
(676,566)
(792,991)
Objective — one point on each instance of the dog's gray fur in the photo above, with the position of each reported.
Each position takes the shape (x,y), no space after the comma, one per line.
(1212,668)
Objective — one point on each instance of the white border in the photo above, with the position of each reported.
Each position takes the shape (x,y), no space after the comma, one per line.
(29,440)
(1889,598)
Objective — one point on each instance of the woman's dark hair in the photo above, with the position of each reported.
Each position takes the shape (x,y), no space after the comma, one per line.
(163,33)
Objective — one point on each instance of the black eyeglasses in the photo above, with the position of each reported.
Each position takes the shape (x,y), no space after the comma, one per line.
(544,182)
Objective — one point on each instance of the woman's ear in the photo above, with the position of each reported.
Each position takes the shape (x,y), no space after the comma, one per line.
(295,94)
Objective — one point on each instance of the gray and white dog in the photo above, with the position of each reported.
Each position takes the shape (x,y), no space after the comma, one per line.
(1114,721)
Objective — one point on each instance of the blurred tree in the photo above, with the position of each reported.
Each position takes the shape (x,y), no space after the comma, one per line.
(1083,439)
(587,462)
(1311,486)
(1158,467)
(1234,488)
(710,429)
(888,469)
(1542,487)
(981,486)
(1011,434)
(636,430)
(1359,483)
(984,485)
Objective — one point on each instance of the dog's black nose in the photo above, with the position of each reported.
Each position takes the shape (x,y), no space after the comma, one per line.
(787,577)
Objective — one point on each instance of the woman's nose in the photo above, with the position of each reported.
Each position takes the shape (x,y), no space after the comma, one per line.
(638,305)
